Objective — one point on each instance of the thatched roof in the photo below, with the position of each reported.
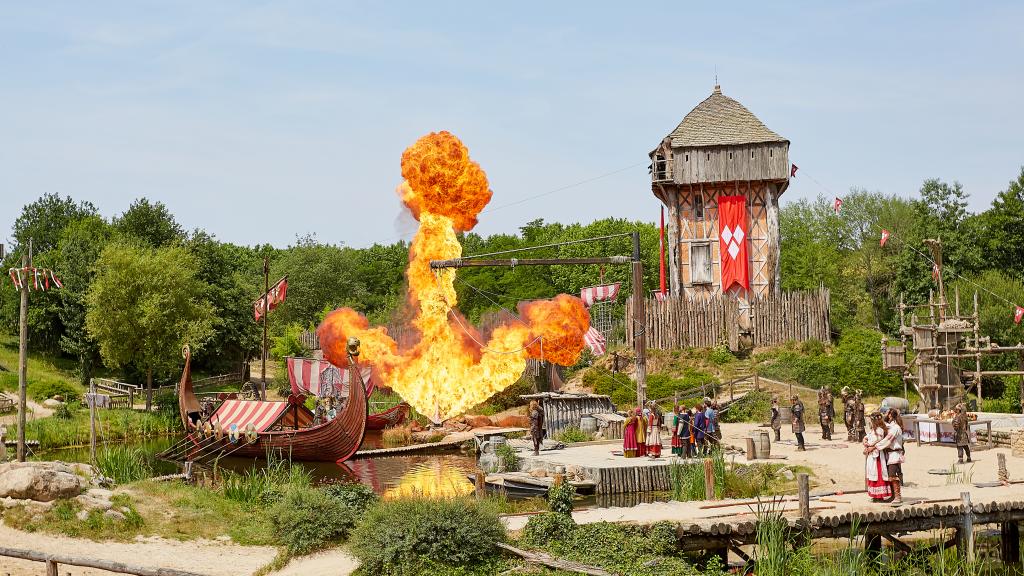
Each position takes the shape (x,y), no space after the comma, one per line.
(721,121)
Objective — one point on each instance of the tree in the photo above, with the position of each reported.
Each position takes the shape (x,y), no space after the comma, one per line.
(79,248)
(143,305)
(45,219)
(1004,224)
(150,223)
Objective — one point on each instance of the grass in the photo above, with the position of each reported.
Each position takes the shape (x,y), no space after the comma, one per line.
(113,426)
(687,479)
(62,518)
(397,436)
(124,463)
(40,366)
(571,434)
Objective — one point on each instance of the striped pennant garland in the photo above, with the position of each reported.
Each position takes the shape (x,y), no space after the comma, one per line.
(1018,314)
(35,279)
(595,341)
(56,281)
(15,278)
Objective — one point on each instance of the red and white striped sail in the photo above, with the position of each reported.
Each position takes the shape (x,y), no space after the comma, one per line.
(599,293)
(595,341)
(241,413)
(307,375)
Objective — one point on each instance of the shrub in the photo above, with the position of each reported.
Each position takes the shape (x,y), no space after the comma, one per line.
(65,411)
(307,519)
(622,390)
(541,529)
(355,496)
(560,498)
(571,434)
(634,550)
(720,355)
(124,464)
(507,457)
(397,436)
(756,406)
(166,401)
(409,535)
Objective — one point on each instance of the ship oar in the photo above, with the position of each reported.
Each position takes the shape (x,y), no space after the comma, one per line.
(175,447)
(190,447)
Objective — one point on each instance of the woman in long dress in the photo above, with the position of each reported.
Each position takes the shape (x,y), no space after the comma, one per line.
(654,432)
(629,445)
(641,431)
(876,473)
(677,440)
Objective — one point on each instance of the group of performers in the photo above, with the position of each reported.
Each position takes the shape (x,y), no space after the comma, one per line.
(695,431)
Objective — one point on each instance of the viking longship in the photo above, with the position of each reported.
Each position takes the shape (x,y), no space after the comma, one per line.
(320,378)
(255,428)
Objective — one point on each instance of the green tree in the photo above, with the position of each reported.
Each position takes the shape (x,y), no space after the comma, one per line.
(1004,225)
(143,305)
(150,223)
(78,250)
(45,219)
(319,275)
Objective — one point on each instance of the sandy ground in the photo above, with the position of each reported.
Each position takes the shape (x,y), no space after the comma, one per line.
(837,466)
(205,557)
(328,563)
(34,411)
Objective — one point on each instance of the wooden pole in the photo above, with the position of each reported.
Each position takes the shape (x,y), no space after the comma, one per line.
(639,323)
(709,479)
(966,528)
(108,565)
(92,422)
(804,494)
(266,312)
(480,482)
(1009,548)
(26,263)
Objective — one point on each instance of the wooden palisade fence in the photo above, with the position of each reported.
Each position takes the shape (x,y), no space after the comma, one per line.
(705,323)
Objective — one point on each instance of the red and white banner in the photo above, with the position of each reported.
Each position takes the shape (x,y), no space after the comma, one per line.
(935,272)
(274,297)
(304,375)
(1018,314)
(837,204)
(792,170)
(33,278)
(732,241)
(595,341)
(599,293)
(884,238)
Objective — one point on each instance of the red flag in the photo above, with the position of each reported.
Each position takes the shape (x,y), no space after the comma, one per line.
(271,299)
(837,204)
(732,241)
(885,237)
(792,170)
(661,258)
(935,272)
(1018,314)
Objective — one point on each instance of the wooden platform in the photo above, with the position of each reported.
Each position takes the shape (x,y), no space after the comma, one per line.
(610,473)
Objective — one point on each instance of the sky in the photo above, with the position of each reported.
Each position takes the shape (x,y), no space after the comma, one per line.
(265,121)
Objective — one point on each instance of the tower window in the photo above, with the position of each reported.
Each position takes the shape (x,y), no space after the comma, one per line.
(730,155)
(687,157)
(698,206)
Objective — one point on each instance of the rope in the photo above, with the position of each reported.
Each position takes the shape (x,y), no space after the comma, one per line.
(555,245)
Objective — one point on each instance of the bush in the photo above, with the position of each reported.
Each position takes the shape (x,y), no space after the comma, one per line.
(720,355)
(354,496)
(308,519)
(635,550)
(622,390)
(42,388)
(541,529)
(397,436)
(166,401)
(756,406)
(408,536)
(560,498)
(507,457)
(571,434)
(65,411)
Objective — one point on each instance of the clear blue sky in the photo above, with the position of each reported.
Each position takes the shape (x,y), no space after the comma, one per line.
(259,121)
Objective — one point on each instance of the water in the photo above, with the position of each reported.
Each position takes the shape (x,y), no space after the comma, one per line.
(429,475)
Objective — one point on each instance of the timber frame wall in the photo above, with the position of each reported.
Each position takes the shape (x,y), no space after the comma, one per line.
(705,323)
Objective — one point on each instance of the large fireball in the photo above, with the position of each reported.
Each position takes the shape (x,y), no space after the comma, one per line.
(448,370)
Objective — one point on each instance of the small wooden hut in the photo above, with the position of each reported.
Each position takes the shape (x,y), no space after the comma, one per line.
(721,149)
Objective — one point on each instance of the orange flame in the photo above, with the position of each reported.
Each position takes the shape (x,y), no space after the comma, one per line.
(449,370)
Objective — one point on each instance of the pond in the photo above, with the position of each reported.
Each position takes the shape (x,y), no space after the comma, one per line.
(428,475)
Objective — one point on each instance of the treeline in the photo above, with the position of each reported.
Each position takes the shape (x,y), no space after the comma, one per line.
(137,286)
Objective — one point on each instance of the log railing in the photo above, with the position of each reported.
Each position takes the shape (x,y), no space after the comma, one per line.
(53,562)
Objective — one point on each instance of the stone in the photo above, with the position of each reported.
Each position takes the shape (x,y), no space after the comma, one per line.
(513,421)
(114,515)
(82,515)
(39,481)
(538,473)
(52,403)
(478,421)
(95,499)
(787,474)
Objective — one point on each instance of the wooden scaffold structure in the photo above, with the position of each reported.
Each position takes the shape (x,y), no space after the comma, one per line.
(947,347)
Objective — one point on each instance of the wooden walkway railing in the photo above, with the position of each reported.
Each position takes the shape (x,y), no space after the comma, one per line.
(53,562)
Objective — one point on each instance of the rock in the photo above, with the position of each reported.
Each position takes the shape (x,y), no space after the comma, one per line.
(539,473)
(488,463)
(787,474)
(223,538)
(82,515)
(113,515)
(39,481)
(52,403)
(478,421)
(95,499)
(513,421)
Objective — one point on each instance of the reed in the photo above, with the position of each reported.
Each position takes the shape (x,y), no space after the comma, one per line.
(687,478)
(124,464)
(265,485)
(397,436)
(112,426)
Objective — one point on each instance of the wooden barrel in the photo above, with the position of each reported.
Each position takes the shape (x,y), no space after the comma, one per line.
(762,444)
(588,425)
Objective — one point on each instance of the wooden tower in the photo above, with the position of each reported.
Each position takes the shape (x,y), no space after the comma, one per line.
(721,150)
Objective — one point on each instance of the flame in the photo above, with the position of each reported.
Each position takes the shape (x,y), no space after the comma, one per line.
(449,369)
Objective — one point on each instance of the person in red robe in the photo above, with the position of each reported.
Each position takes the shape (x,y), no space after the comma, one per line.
(629,444)
(876,473)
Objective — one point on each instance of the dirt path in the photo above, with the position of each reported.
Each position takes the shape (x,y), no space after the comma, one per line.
(335,562)
(206,557)
(35,411)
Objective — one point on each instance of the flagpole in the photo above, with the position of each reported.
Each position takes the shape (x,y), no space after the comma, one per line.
(26,263)
(266,310)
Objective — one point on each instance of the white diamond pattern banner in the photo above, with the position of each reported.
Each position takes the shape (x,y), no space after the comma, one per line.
(732,248)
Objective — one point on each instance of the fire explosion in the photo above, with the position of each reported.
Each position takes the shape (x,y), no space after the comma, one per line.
(448,370)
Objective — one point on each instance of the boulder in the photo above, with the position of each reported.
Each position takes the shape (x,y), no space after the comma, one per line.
(539,473)
(38,481)
(82,515)
(113,515)
(95,499)
(478,421)
(513,421)
(52,403)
